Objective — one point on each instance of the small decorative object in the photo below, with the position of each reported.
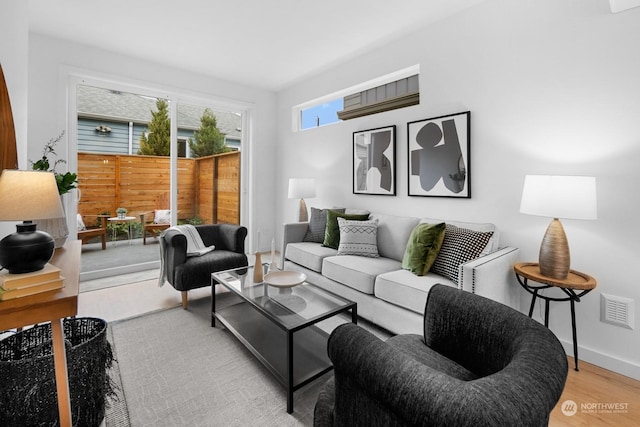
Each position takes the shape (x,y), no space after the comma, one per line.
(439,156)
(273,266)
(285,279)
(121,212)
(258,272)
(301,188)
(257,269)
(571,197)
(103,129)
(374,159)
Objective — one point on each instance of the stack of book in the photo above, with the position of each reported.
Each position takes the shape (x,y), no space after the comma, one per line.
(21,285)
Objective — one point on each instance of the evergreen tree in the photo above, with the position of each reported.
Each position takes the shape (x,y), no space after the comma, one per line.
(208,139)
(158,141)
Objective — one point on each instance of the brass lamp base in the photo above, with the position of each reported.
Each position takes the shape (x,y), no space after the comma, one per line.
(554,257)
(303,216)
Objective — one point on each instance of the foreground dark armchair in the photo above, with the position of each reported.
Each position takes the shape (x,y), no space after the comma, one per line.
(186,273)
(480,363)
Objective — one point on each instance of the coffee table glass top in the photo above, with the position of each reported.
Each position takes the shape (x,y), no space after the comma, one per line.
(292,307)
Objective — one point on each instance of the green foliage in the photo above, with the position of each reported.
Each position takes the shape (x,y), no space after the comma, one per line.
(196,220)
(158,141)
(66,181)
(208,139)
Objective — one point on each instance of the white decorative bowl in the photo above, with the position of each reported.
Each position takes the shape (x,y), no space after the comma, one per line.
(284,279)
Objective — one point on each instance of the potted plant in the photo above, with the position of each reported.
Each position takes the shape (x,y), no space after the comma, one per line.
(66,181)
(122,212)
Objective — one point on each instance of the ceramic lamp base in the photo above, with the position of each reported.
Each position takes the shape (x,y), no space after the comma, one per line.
(554,257)
(26,250)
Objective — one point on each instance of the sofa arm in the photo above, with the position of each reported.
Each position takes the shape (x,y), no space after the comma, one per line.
(293,232)
(175,247)
(492,276)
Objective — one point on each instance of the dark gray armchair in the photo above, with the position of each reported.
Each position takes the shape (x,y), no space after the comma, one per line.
(186,273)
(480,363)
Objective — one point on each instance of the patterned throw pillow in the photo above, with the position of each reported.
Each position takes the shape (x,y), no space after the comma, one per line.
(459,246)
(162,216)
(358,238)
(317,225)
(332,232)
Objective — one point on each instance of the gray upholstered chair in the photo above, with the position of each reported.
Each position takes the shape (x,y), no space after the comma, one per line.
(186,273)
(480,363)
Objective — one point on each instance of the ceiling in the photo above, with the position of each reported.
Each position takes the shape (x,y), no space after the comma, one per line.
(269,44)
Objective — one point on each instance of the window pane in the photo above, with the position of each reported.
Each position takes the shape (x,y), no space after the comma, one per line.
(322,114)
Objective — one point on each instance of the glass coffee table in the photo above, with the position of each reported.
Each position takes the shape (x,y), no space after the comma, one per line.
(280,325)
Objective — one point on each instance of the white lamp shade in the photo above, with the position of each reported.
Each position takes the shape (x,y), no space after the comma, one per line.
(302,188)
(29,195)
(571,197)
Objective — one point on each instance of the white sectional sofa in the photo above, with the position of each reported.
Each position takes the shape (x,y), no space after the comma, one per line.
(386,294)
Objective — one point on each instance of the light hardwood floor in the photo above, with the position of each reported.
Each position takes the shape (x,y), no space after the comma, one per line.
(596,392)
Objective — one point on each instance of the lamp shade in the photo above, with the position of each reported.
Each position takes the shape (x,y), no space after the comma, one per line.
(571,197)
(302,188)
(29,195)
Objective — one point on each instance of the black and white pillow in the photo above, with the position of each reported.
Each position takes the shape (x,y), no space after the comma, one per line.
(358,237)
(459,246)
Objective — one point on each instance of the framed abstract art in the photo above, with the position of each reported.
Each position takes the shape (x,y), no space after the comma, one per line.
(438,150)
(374,161)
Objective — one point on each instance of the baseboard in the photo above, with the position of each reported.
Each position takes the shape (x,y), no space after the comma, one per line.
(606,361)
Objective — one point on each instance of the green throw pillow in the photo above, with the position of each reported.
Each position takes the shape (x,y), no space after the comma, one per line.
(423,247)
(332,232)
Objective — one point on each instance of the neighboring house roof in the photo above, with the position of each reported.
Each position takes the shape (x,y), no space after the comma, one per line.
(98,103)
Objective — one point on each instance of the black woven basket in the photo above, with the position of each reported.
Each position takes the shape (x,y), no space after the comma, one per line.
(28,394)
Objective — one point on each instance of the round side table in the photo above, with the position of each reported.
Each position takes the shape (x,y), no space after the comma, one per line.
(574,286)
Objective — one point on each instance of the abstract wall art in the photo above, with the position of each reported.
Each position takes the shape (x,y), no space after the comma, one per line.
(438,152)
(374,160)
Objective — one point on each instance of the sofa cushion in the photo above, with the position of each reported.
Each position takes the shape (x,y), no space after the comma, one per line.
(406,290)
(423,247)
(459,246)
(393,234)
(414,346)
(358,238)
(493,244)
(357,272)
(308,254)
(318,224)
(332,232)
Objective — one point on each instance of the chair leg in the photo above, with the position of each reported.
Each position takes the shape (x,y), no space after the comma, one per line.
(144,236)
(185,301)
(104,241)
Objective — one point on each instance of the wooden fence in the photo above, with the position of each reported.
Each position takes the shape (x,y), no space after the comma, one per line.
(208,187)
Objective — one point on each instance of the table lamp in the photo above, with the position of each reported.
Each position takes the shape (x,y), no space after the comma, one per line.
(301,188)
(570,197)
(26,196)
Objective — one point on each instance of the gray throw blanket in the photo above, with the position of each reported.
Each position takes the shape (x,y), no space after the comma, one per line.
(195,247)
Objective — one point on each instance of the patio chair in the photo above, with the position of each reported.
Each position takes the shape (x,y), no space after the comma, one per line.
(156,221)
(88,232)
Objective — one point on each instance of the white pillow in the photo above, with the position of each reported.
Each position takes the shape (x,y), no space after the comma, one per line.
(358,237)
(162,216)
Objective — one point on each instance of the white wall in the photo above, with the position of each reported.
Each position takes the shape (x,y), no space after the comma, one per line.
(14,59)
(51,61)
(552,86)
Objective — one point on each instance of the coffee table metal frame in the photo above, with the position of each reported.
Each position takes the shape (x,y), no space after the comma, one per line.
(266,327)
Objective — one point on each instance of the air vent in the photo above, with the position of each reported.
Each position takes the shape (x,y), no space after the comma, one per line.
(617,310)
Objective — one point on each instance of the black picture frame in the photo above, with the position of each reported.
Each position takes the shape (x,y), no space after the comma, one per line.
(439,157)
(374,161)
